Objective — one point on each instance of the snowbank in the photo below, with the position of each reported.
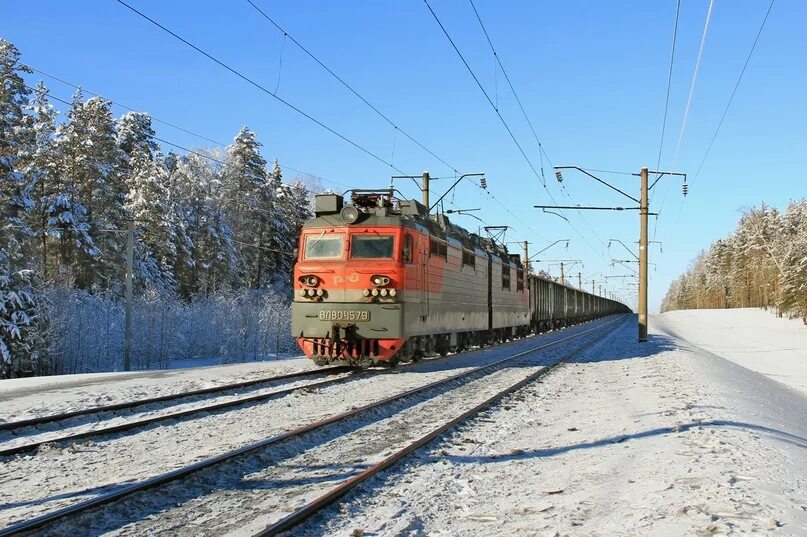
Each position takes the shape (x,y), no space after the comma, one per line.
(750,337)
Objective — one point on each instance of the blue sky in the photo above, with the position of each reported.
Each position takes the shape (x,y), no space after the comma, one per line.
(591,75)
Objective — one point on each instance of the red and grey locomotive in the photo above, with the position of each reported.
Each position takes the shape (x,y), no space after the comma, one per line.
(379,280)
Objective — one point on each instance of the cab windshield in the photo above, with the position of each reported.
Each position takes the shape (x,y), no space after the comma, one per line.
(324,246)
(371,247)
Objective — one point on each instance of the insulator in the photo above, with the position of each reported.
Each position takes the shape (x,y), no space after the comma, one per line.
(483,182)
(685,188)
(558,176)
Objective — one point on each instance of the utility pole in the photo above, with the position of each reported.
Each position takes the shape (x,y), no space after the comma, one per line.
(593,292)
(424,187)
(643,214)
(561,275)
(600,290)
(526,258)
(580,280)
(127,341)
(643,258)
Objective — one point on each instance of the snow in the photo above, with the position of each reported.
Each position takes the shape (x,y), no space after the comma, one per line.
(658,439)
(29,397)
(751,337)
(661,438)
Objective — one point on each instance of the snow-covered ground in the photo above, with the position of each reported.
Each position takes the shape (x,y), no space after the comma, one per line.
(653,439)
(751,337)
(24,398)
(661,438)
(56,475)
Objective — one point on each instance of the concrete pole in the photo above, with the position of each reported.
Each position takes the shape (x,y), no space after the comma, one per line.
(580,280)
(592,287)
(526,259)
(562,281)
(643,259)
(424,188)
(127,338)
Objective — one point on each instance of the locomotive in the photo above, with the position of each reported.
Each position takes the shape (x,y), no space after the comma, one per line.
(379,280)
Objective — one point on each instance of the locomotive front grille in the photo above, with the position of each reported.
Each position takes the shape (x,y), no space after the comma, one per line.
(356,348)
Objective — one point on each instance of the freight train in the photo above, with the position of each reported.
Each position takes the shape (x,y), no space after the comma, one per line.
(379,280)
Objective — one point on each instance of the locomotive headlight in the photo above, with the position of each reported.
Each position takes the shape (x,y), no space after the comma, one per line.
(310,280)
(349,213)
(380,280)
(320,292)
(383,292)
(366,292)
(374,292)
(303,292)
(393,292)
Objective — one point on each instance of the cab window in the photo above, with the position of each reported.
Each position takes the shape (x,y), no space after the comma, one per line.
(371,247)
(324,246)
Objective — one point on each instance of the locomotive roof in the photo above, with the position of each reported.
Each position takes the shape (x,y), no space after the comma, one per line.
(409,214)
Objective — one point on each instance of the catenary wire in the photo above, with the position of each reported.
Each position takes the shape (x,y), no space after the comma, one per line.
(178,146)
(348,86)
(498,113)
(734,91)
(669,83)
(728,105)
(686,109)
(261,87)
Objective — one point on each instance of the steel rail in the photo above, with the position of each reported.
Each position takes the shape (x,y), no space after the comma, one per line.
(133,424)
(310,509)
(41,420)
(173,475)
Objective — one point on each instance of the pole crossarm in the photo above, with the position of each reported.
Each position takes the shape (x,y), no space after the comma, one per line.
(590,208)
(550,246)
(463,176)
(624,246)
(662,174)
(612,187)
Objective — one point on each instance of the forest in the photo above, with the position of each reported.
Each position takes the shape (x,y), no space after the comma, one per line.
(763,263)
(214,235)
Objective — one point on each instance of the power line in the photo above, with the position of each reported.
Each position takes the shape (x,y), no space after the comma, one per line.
(541,151)
(694,81)
(164,122)
(686,110)
(498,113)
(348,86)
(509,83)
(669,83)
(260,87)
(734,91)
(728,104)
(487,96)
(182,148)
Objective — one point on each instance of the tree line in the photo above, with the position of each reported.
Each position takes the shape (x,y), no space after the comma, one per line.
(763,263)
(206,223)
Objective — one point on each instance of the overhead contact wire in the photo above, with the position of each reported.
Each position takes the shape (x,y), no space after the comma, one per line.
(260,87)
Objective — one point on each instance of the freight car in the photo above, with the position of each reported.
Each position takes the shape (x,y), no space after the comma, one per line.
(379,280)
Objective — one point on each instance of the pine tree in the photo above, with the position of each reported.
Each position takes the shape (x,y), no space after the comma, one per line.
(248,201)
(150,207)
(19,325)
(90,163)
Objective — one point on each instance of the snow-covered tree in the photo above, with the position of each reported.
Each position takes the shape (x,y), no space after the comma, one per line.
(89,161)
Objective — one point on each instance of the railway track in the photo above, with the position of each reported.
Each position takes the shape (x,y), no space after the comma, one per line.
(417,414)
(27,435)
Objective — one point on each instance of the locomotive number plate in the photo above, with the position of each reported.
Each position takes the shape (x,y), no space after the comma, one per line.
(344,315)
